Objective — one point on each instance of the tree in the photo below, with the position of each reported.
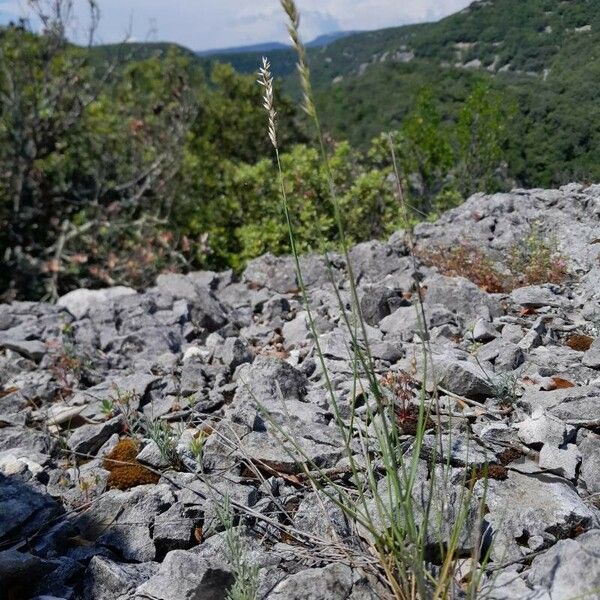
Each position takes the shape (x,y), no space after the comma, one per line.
(480,137)
(80,147)
(426,150)
(227,137)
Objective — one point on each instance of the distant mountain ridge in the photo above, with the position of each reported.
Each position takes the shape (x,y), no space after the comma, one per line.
(264,47)
(318,42)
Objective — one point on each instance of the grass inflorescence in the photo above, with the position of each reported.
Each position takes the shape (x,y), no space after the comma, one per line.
(398,516)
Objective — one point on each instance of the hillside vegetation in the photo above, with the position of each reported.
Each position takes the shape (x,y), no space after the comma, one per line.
(541,56)
(123,161)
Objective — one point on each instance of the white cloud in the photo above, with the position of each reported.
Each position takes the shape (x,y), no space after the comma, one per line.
(201,24)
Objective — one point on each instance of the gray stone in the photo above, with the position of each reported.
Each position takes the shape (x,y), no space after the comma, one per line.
(484,331)
(379,301)
(458,449)
(132,388)
(193,376)
(319,516)
(463,378)
(571,567)
(152,456)
(179,286)
(441,494)
(184,575)
(22,571)
(508,584)
(234,352)
(542,428)
(532,339)
(528,506)
(276,307)
(372,261)
(462,297)
(562,461)
(122,520)
(589,446)
(81,302)
(184,349)
(509,358)
(405,322)
(339,344)
(33,349)
(512,332)
(25,438)
(333,582)
(296,331)
(503,354)
(174,529)
(592,357)
(275,273)
(87,439)
(287,455)
(270,408)
(106,579)
(24,508)
(388,350)
(537,296)
(207,312)
(577,404)
(270,379)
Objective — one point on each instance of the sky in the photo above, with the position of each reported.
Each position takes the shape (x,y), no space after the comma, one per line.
(207,24)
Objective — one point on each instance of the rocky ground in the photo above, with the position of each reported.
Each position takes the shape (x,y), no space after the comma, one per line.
(185,371)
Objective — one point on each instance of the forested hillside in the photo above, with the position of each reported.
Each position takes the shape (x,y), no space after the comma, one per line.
(122,161)
(540,56)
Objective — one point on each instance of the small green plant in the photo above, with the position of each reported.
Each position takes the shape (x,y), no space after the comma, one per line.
(123,402)
(537,259)
(464,259)
(163,435)
(197,446)
(245,584)
(67,362)
(504,387)
(107,407)
(534,261)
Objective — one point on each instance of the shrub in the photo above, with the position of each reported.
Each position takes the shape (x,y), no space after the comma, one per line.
(87,154)
(534,261)
(467,260)
(537,260)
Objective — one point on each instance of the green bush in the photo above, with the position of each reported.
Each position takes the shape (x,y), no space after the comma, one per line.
(114,172)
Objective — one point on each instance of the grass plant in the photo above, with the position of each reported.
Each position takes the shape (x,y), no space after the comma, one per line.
(396,502)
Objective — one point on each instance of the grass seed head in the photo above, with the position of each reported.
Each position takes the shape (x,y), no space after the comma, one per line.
(265,80)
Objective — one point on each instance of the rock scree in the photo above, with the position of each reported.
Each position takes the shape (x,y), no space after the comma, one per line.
(129,419)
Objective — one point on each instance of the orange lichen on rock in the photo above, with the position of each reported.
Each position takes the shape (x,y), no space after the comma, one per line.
(509,455)
(494,471)
(579,342)
(125,451)
(558,383)
(125,470)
